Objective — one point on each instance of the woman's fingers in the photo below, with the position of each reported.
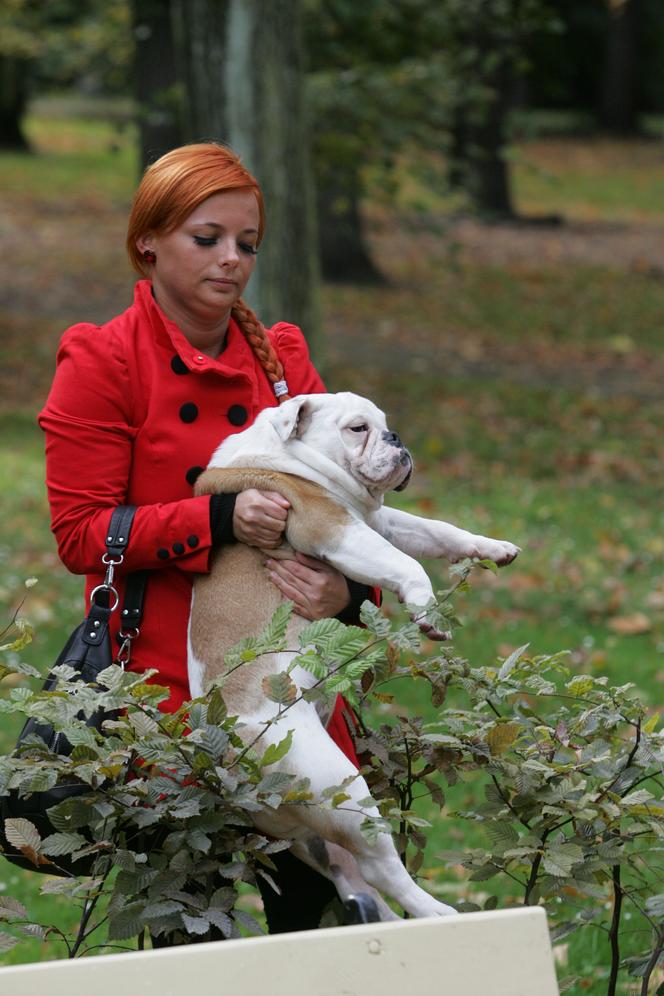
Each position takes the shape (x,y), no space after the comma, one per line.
(259,517)
(317,590)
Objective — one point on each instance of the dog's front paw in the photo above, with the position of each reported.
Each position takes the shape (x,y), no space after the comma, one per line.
(501,552)
(432,632)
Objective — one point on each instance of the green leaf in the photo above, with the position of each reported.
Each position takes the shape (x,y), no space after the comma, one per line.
(655,906)
(22,833)
(637,798)
(7,941)
(195,924)
(12,908)
(273,637)
(320,633)
(275,781)
(510,662)
(26,633)
(211,739)
(142,724)
(501,834)
(374,620)
(220,920)
(70,815)
(223,898)
(217,711)
(63,843)
(560,859)
(501,737)
(127,922)
(247,921)
(199,841)
(580,684)
(334,641)
(279,688)
(159,909)
(275,752)
(338,683)
(484,872)
(311,662)
(125,860)
(33,930)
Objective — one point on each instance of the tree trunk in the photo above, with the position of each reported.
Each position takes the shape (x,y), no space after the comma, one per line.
(200,31)
(485,167)
(618,99)
(158,93)
(13,99)
(344,253)
(239,68)
(264,84)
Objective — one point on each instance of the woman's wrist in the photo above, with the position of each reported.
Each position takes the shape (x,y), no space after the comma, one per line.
(221,519)
(357,594)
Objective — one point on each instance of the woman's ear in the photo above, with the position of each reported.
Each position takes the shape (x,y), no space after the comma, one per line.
(144,242)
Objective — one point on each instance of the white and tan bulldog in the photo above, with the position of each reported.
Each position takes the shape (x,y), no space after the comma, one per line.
(333,457)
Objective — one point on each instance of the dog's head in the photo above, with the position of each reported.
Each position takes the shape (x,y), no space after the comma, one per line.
(351,431)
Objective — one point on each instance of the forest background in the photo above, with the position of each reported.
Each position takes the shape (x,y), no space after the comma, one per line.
(466,217)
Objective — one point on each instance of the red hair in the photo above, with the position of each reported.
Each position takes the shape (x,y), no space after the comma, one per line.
(173,187)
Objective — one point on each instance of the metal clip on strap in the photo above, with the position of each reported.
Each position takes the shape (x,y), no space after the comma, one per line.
(116,543)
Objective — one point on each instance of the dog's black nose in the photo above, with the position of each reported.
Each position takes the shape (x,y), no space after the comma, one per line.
(392,438)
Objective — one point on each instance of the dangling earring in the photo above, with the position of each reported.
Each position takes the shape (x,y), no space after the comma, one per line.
(149,256)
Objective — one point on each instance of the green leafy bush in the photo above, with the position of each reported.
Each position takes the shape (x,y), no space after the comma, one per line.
(570,768)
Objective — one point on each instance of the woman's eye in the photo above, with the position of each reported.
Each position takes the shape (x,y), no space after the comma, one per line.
(246,247)
(205,240)
(358,428)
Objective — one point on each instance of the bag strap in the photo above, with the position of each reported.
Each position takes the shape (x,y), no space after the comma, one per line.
(132,606)
(119,530)
(104,599)
(117,539)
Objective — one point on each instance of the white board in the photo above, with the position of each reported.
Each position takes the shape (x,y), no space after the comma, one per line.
(504,953)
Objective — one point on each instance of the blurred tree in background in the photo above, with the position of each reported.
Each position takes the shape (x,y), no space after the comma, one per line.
(233,71)
(59,44)
(395,76)
(387,81)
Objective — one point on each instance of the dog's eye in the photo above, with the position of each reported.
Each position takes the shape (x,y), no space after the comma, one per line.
(359,428)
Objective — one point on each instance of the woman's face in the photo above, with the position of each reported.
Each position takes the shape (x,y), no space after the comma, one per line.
(203,266)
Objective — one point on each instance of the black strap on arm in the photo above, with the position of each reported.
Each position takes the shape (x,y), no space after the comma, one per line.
(119,530)
(117,539)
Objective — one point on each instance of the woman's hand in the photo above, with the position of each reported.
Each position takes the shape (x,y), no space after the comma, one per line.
(317,590)
(259,518)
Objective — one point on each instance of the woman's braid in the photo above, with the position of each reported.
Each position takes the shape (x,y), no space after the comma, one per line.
(257,338)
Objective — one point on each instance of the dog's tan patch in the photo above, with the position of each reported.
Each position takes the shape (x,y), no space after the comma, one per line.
(235,600)
(315,518)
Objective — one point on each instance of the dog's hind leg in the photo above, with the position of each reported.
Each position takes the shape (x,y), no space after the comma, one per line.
(315,756)
(361,901)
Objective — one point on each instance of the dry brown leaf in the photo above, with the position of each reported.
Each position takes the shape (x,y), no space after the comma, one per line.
(631,625)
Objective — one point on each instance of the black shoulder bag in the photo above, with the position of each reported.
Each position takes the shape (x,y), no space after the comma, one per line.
(88,650)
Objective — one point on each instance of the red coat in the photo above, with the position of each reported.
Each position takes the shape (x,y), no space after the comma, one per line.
(134,413)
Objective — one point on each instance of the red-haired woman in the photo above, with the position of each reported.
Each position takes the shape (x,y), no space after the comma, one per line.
(139,404)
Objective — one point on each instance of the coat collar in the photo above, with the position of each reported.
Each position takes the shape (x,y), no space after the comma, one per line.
(237,356)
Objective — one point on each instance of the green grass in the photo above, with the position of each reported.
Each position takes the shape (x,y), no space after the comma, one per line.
(592,179)
(73,160)
(549,452)
(579,306)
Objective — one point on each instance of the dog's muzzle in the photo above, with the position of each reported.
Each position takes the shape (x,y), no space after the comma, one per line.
(404,483)
(405,459)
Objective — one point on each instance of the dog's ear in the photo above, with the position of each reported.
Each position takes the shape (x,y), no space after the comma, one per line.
(288,417)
